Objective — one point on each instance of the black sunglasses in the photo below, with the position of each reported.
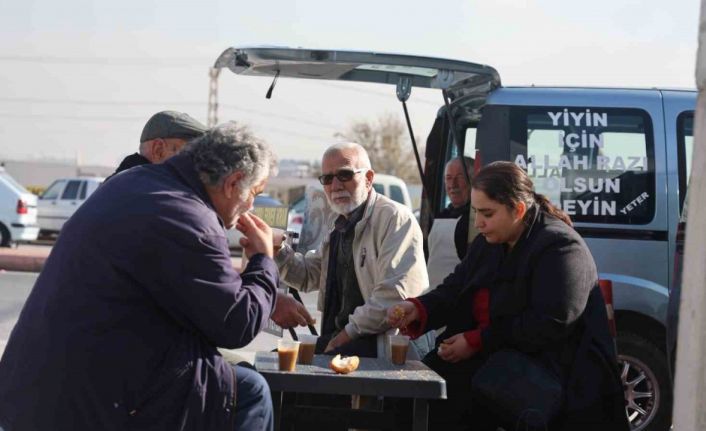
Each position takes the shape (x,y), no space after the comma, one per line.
(343,175)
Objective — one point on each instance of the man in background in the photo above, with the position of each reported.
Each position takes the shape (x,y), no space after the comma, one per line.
(448,237)
(163,136)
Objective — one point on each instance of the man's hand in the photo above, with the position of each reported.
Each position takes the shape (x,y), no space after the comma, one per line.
(258,235)
(402,314)
(289,313)
(278,239)
(337,341)
(455,348)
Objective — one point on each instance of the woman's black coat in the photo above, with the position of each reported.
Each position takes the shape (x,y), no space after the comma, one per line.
(544,300)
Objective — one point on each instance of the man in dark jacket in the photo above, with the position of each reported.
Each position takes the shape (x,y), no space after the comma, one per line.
(163,136)
(121,328)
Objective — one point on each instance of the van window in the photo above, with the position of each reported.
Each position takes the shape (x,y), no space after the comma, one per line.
(597,164)
(469,148)
(53,191)
(71,190)
(685,149)
(396,194)
(379,188)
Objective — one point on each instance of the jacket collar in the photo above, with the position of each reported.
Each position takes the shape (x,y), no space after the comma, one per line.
(454,212)
(135,159)
(183,166)
(369,203)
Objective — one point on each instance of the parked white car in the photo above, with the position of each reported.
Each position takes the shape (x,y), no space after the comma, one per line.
(392,187)
(18,212)
(61,199)
(295,218)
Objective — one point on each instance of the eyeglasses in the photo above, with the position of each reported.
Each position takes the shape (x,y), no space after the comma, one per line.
(343,175)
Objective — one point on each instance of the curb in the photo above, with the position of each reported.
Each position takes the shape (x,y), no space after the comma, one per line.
(36,263)
(22,263)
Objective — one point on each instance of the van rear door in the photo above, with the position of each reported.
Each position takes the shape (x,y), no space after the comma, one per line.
(457,77)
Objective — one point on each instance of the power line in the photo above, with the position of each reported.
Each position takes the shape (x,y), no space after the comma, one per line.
(379,93)
(265,128)
(113,61)
(70,117)
(182,103)
(94,102)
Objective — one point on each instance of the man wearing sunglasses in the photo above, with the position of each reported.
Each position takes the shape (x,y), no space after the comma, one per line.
(372,257)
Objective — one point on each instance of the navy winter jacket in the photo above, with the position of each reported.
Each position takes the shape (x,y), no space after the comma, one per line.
(121,328)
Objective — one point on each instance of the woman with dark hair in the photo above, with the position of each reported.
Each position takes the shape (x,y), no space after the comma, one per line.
(527,289)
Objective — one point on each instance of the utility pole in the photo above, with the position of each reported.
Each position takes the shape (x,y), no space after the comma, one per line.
(212,116)
(690,386)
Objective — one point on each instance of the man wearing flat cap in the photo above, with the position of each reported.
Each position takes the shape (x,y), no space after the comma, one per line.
(121,330)
(164,135)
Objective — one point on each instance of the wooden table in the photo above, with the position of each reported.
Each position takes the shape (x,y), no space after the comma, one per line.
(374,377)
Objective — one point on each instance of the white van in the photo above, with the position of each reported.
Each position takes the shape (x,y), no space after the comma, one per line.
(61,199)
(617,160)
(18,212)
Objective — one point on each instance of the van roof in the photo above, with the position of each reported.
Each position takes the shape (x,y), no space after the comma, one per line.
(580,96)
(599,88)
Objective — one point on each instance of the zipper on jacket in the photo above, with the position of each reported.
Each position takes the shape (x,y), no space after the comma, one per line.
(232,409)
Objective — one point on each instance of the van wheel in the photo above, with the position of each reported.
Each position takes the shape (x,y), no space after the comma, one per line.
(5,239)
(643,371)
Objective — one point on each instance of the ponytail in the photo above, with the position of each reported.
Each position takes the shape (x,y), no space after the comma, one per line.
(549,208)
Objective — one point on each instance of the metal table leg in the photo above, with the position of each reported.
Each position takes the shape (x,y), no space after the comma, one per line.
(420,414)
(277,408)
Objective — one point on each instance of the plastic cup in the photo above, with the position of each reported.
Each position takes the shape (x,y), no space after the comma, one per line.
(287,351)
(399,344)
(306,348)
(279,236)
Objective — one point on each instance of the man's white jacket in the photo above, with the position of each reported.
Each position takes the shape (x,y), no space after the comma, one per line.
(388,258)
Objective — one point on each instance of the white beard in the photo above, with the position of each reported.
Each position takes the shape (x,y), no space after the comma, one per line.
(356,200)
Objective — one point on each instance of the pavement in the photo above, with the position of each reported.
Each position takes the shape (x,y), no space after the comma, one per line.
(31,257)
(24,257)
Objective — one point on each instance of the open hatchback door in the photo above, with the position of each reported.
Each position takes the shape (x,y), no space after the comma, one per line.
(457,78)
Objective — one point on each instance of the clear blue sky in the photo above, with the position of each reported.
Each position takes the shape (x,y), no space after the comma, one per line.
(79,78)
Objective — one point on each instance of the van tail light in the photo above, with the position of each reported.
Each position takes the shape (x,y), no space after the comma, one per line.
(298,219)
(21,207)
(607,291)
